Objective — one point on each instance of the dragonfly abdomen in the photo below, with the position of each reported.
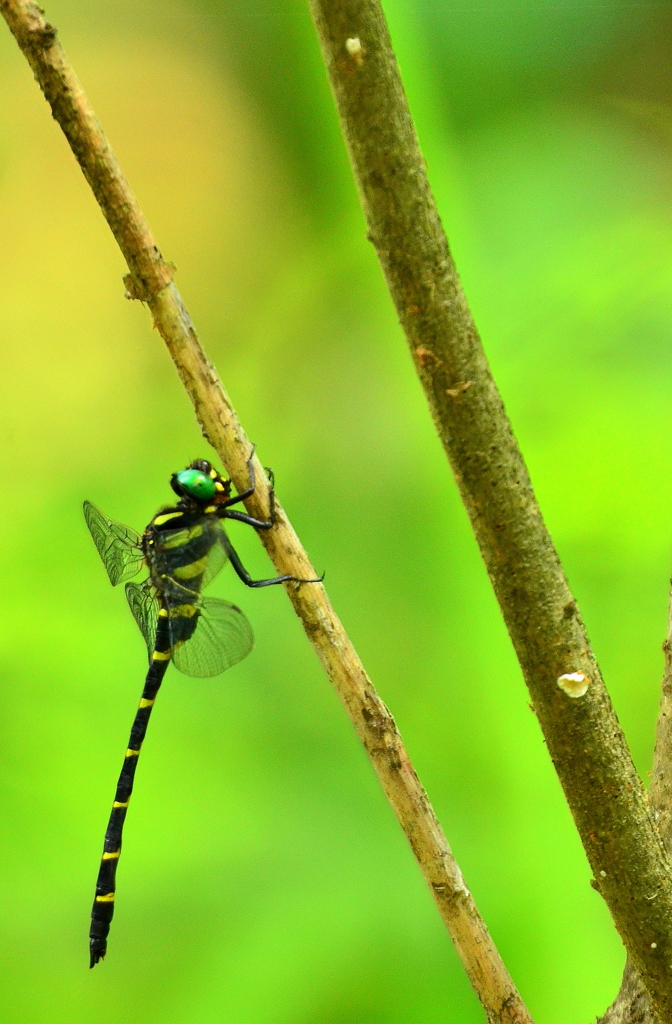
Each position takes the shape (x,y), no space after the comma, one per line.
(103,904)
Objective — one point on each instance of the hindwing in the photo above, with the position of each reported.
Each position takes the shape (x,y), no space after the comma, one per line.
(209,639)
(145,607)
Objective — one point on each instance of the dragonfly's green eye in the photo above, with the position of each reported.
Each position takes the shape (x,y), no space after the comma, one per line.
(197,484)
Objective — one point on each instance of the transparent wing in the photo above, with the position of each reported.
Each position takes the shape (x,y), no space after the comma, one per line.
(217,559)
(204,538)
(145,608)
(118,545)
(221,638)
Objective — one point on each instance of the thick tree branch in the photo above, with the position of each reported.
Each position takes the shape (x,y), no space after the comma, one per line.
(660,795)
(150,280)
(632,1003)
(584,738)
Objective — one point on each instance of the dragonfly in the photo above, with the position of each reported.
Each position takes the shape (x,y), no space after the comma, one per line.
(184,547)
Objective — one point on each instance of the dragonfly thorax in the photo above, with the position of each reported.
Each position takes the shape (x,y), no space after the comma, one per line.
(178,546)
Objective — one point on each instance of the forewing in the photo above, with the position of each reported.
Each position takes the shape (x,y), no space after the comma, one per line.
(145,608)
(222,637)
(217,557)
(119,546)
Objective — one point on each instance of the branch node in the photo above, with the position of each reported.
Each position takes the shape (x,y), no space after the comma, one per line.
(43,34)
(144,290)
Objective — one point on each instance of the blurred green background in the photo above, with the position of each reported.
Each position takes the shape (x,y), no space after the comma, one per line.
(264,878)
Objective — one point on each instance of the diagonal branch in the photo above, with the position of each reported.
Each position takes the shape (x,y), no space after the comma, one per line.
(585,741)
(150,279)
(661,781)
(632,1002)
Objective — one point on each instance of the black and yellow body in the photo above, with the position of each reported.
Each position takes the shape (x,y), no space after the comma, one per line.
(183,547)
(103,904)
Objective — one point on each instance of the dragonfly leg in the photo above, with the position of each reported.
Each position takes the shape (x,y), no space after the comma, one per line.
(242,517)
(244,575)
(261,524)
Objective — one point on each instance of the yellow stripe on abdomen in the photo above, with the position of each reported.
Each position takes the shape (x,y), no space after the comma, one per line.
(109,898)
(114,855)
(183,611)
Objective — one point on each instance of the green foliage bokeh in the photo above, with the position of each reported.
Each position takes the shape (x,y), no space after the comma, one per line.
(264,879)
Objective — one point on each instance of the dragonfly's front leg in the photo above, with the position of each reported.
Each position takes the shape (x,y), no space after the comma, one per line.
(242,517)
(224,512)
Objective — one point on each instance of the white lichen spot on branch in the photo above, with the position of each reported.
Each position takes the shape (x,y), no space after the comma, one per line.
(459,389)
(354,47)
(574,684)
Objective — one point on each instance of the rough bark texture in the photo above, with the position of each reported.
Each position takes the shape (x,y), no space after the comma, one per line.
(150,280)
(584,738)
(661,778)
(632,1005)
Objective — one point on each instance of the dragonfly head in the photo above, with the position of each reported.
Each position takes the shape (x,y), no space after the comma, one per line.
(200,483)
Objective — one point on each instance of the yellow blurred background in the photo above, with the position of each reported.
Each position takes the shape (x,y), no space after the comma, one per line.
(264,879)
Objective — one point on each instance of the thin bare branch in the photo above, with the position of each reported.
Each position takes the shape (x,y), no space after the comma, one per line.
(150,279)
(631,867)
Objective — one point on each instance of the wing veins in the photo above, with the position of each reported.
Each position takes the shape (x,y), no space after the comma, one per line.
(119,546)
